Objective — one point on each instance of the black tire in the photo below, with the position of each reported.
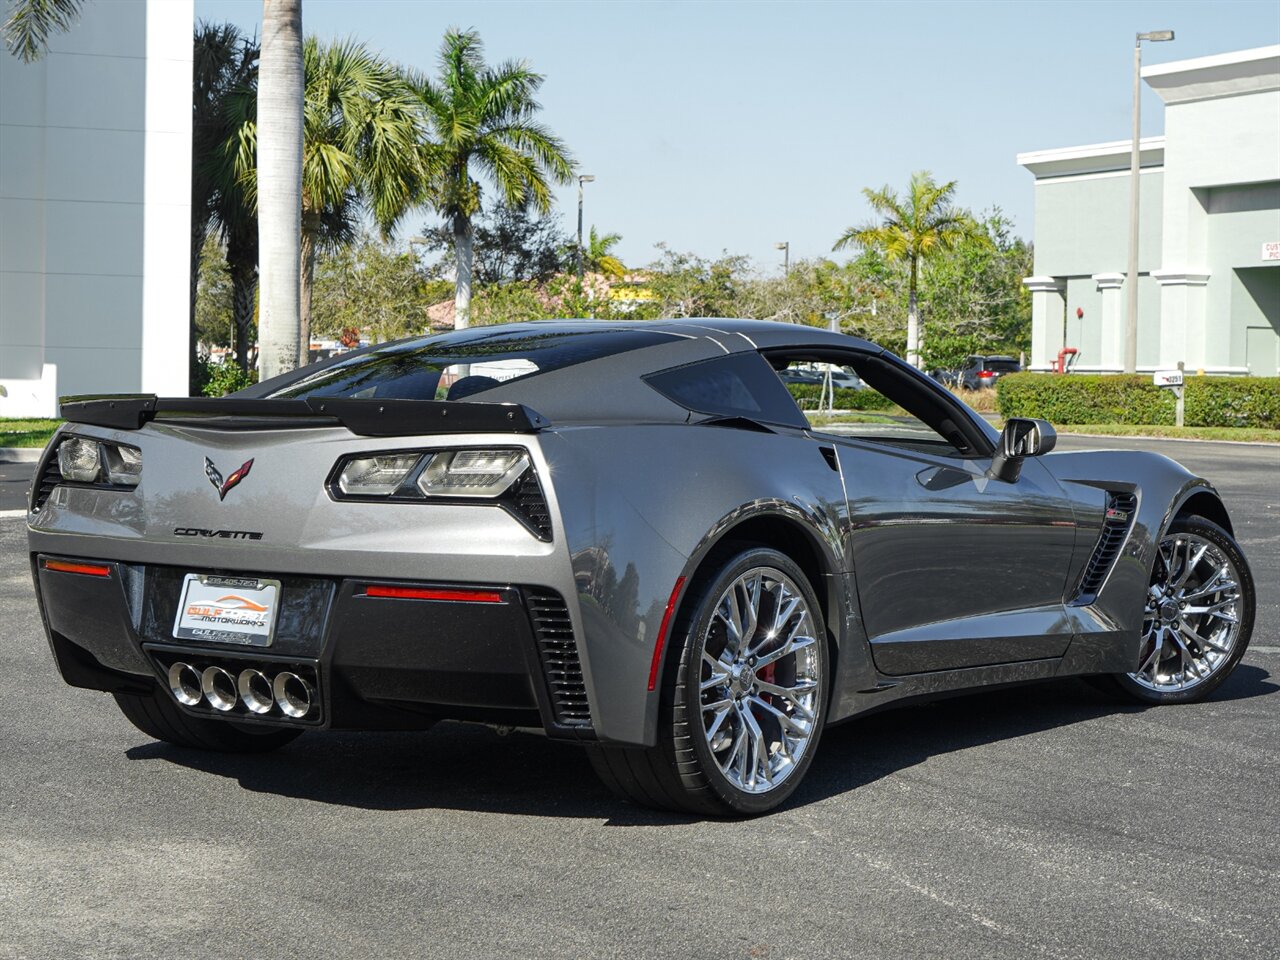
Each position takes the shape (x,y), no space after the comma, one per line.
(1125,686)
(159,717)
(680,773)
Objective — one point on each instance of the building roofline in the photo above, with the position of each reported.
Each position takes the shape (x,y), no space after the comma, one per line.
(1221,75)
(1092,158)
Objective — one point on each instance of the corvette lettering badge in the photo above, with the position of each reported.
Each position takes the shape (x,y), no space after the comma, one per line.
(224,486)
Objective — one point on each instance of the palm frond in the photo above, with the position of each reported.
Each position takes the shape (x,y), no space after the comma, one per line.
(32,22)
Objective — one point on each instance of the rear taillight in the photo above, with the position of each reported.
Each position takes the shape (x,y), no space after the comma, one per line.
(986,373)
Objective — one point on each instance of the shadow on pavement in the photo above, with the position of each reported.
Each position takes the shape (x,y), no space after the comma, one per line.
(468,767)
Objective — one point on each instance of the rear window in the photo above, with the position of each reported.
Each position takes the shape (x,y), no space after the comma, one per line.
(1001,365)
(459,365)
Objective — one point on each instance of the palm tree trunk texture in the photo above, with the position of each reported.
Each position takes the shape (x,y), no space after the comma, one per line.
(199,230)
(913,323)
(280,93)
(462,288)
(310,231)
(244,282)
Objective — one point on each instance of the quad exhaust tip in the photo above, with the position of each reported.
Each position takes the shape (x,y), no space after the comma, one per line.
(222,690)
(255,691)
(293,694)
(219,688)
(184,683)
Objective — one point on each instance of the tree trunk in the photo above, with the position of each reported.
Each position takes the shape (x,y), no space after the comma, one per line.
(462,288)
(244,282)
(280,93)
(307,268)
(199,231)
(913,323)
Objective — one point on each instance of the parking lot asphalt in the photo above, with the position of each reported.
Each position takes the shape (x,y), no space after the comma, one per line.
(1044,821)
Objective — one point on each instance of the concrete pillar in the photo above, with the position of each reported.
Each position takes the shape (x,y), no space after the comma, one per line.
(1183,328)
(1048,309)
(1111,358)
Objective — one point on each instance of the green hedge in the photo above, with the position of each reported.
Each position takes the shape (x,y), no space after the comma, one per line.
(844,400)
(1134,399)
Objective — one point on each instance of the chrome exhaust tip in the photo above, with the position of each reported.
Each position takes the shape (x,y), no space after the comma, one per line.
(219,688)
(255,691)
(184,683)
(293,694)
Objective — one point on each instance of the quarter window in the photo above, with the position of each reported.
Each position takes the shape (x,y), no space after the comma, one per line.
(737,385)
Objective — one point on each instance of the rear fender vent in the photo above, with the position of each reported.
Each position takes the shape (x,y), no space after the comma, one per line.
(527,503)
(1116,524)
(558,653)
(48,478)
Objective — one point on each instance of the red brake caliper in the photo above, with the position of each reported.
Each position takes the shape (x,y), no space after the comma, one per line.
(767,676)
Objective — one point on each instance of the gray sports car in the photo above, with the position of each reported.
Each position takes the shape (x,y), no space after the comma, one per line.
(623,534)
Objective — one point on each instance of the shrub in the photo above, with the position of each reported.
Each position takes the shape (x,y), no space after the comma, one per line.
(219,379)
(808,394)
(1232,402)
(1134,399)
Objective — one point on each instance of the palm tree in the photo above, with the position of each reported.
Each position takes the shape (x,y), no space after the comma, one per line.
(279,184)
(599,256)
(483,117)
(914,228)
(362,150)
(225,73)
(31,22)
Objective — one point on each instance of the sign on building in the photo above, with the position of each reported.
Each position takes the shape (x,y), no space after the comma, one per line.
(1271,251)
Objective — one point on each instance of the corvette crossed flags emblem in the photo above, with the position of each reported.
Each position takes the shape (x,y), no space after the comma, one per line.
(224,486)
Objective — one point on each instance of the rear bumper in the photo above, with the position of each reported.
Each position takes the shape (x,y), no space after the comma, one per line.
(377,662)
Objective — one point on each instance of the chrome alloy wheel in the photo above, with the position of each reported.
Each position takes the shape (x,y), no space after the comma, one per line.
(1191,623)
(760,680)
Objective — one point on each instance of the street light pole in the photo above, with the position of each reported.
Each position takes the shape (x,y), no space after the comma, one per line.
(785,247)
(584,178)
(1135,192)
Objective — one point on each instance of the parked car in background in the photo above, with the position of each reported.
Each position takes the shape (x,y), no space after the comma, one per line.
(978,372)
(842,378)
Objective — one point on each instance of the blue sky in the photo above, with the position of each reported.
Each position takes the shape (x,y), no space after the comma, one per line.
(731,125)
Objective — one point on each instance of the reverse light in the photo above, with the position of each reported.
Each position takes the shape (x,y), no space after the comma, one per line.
(378,476)
(472,473)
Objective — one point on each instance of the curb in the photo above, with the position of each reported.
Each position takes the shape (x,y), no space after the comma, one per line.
(1130,436)
(20,454)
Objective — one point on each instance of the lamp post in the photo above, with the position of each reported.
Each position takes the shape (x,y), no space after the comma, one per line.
(1135,190)
(785,247)
(583,178)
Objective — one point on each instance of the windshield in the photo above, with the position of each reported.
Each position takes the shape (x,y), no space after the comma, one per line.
(458,365)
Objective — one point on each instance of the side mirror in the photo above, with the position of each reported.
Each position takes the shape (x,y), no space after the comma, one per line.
(1022,437)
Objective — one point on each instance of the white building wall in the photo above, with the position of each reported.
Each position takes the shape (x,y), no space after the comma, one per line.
(95,163)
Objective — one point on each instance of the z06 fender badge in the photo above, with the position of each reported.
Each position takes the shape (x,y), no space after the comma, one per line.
(219,534)
(224,486)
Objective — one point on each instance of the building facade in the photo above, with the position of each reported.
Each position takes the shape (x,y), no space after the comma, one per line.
(1209,230)
(95,208)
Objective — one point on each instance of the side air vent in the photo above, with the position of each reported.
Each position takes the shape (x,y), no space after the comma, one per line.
(1115,527)
(42,486)
(559,655)
(526,501)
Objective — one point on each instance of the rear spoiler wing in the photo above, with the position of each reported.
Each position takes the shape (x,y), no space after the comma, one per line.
(366,418)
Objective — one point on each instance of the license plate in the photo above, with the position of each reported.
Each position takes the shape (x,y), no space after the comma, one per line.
(227,610)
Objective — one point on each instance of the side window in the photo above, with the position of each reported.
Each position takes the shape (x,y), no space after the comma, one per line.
(736,385)
(871,399)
